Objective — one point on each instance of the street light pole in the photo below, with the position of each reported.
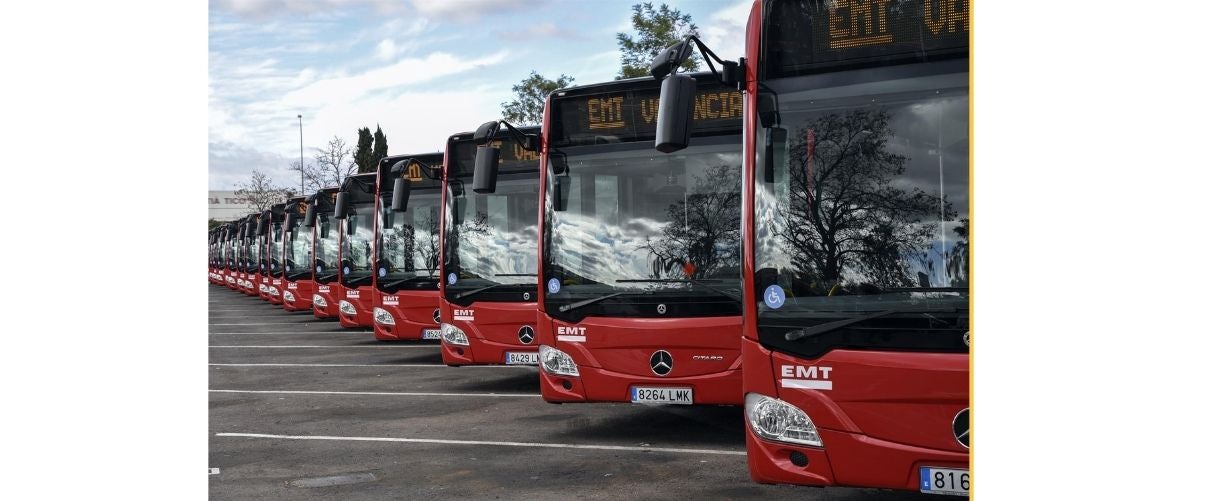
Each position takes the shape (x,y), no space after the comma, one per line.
(301,153)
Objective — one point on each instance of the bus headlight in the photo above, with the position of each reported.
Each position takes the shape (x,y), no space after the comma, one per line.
(289,296)
(273,291)
(346,308)
(319,301)
(453,335)
(557,362)
(774,419)
(380,316)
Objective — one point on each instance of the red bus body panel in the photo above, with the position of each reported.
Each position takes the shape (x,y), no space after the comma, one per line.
(412,312)
(361,299)
(331,292)
(492,332)
(616,352)
(303,295)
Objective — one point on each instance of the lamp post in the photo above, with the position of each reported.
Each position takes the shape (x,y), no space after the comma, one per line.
(301,153)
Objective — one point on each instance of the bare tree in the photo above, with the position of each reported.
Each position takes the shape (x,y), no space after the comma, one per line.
(259,193)
(703,234)
(847,210)
(333,163)
(311,181)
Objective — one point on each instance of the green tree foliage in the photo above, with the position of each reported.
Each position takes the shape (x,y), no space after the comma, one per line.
(363,153)
(528,106)
(380,147)
(656,29)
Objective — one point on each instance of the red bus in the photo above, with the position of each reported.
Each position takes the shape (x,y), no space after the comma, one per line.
(250,244)
(275,256)
(229,270)
(855,251)
(639,251)
(264,238)
(214,260)
(354,207)
(488,299)
(298,254)
(407,242)
(327,231)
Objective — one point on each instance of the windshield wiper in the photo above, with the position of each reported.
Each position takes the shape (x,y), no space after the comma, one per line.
(817,330)
(691,281)
(327,276)
(358,280)
(587,302)
(396,283)
(491,286)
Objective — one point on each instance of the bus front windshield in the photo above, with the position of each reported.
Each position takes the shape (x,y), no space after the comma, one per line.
(491,239)
(861,225)
(357,245)
(410,242)
(276,249)
(326,251)
(298,249)
(646,229)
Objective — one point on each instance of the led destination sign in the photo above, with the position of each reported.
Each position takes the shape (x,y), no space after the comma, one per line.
(511,156)
(807,34)
(631,115)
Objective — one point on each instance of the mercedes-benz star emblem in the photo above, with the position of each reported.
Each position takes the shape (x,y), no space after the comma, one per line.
(962,427)
(526,335)
(966,338)
(527,296)
(661,309)
(436,316)
(661,363)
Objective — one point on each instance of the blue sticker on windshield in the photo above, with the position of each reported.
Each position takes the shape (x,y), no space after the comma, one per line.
(775,296)
(288,268)
(346,270)
(319,268)
(554,286)
(381,272)
(451,279)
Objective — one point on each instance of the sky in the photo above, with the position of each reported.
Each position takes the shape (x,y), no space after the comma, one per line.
(421,69)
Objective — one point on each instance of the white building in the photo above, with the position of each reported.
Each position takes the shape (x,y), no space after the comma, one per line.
(227,206)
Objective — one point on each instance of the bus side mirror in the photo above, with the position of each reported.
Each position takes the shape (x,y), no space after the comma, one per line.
(457,212)
(560,192)
(401,195)
(311,216)
(324,230)
(774,153)
(669,59)
(262,228)
(484,132)
(485,169)
(675,113)
(341,205)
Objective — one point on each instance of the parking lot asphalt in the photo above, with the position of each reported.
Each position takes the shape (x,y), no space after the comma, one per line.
(300,408)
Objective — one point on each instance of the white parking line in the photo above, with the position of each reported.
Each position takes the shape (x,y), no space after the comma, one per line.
(295,332)
(484,442)
(313,321)
(378,393)
(367,365)
(333,346)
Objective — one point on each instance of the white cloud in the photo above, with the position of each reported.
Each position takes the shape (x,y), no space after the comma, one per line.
(346,88)
(724,32)
(463,10)
(535,31)
(267,8)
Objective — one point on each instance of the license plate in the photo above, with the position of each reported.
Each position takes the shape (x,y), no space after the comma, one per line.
(430,333)
(662,395)
(945,481)
(522,358)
